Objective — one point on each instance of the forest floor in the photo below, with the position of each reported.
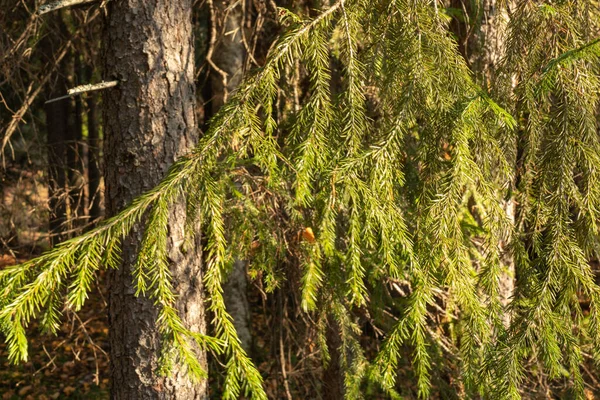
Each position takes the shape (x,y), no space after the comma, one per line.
(73,364)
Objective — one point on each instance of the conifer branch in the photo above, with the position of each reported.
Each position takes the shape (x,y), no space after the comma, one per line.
(404,182)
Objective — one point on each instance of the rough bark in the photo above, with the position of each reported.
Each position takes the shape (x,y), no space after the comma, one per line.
(228,56)
(149,121)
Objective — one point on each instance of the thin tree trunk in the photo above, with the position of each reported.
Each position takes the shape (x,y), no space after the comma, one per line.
(76,153)
(488,44)
(57,125)
(93,144)
(228,52)
(149,121)
(58,131)
(485,48)
(333,374)
(228,56)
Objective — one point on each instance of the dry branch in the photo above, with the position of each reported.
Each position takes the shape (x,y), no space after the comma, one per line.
(57,5)
(77,90)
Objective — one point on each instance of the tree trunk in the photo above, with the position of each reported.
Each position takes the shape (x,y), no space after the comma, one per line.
(483,45)
(149,121)
(57,114)
(57,140)
(228,56)
(76,154)
(487,48)
(486,44)
(228,53)
(93,145)
(333,374)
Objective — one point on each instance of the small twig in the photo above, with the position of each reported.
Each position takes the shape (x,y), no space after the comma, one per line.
(592,377)
(249,52)
(395,284)
(31,96)
(84,89)
(7,246)
(48,364)
(296,84)
(94,347)
(57,5)
(282,362)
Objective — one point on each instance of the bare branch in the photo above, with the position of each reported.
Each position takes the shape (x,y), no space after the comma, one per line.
(32,95)
(77,90)
(57,5)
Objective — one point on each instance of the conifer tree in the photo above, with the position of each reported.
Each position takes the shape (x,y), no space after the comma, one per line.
(149,122)
(389,173)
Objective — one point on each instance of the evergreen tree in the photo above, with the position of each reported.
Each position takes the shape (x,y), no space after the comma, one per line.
(150,121)
(383,168)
